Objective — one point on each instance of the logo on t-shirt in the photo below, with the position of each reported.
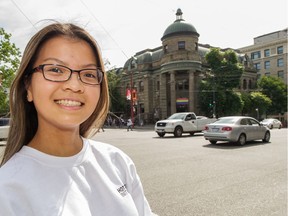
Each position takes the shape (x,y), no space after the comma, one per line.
(122,190)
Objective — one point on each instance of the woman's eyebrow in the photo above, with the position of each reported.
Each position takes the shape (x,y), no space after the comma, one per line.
(54,59)
(63,63)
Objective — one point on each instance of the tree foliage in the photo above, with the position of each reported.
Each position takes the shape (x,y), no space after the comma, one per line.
(275,89)
(117,101)
(9,62)
(255,100)
(223,77)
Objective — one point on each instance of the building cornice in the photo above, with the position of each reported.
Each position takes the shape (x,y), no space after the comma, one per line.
(262,45)
(181,65)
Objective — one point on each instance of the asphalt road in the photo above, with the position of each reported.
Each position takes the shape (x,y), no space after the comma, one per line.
(188,176)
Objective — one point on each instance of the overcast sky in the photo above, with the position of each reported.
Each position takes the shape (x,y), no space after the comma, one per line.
(124,27)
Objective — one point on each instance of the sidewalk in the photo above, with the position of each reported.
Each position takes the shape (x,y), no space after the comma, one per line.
(136,127)
(147,127)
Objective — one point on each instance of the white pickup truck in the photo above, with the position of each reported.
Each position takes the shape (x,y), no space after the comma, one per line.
(183,122)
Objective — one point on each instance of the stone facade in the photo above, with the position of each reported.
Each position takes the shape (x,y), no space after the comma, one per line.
(167,78)
(269,54)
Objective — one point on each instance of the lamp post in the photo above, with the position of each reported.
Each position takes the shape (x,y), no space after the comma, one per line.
(214,99)
(257,110)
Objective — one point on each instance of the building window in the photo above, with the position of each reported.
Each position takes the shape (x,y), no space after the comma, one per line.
(280,50)
(179,85)
(257,66)
(256,55)
(186,84)
(267,52)
(196,46)
(181,45)
(158,85)
(267,74)
(280,62)
(250,84)
(267,64)
(244,84)
(165,48)
(141,84)
(281,74)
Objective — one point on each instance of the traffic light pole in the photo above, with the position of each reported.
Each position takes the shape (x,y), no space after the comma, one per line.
(214,99)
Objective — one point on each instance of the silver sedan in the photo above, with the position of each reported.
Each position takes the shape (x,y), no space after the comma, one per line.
(272,123)
(239,129)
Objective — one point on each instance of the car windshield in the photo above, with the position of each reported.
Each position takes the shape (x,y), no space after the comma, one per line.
(226,120)
(178,116)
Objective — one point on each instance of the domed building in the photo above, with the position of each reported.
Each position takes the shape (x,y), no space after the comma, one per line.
(161,81)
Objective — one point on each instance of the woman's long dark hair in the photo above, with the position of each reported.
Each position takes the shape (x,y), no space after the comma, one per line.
(24,122)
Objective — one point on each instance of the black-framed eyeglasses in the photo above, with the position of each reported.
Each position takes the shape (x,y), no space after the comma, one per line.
(60,73)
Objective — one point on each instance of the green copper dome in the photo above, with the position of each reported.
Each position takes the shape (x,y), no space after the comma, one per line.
(179,27)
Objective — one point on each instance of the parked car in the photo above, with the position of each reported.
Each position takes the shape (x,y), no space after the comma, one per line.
(4,121)
(182,122)
(4,128)
(272,123)
(239,129)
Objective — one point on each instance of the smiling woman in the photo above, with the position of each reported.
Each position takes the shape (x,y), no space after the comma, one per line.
(54,109)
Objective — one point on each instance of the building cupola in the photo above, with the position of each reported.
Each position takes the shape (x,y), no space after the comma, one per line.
(179,27)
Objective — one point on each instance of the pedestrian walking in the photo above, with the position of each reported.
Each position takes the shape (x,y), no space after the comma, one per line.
(129,124)
(50,166)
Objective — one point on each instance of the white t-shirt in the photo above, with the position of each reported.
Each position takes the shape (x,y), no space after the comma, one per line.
(129,122)
(99,180)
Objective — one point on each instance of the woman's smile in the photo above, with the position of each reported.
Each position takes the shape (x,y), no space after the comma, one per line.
(69,103)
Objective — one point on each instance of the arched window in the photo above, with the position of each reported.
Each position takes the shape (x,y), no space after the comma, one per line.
(250,84)
(244,84)
(141,84)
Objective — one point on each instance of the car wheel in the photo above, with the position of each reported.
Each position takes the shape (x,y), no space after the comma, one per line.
(280,126)
(191,133)
(241,140)
(271,127)
(178,131)
(213,142)
(160,134)
(266,137)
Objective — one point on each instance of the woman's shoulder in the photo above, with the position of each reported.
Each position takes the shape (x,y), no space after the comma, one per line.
(106,150)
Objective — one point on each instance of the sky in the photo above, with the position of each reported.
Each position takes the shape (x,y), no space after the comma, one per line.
(124,27)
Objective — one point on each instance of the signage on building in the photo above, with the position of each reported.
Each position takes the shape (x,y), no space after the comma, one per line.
(182,101)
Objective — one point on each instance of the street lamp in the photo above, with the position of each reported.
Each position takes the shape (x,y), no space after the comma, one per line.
(214,99)
(257,110)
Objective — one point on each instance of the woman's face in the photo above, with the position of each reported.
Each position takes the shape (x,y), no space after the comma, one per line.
(64,105)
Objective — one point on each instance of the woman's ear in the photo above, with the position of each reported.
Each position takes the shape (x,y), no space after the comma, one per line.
(28,89)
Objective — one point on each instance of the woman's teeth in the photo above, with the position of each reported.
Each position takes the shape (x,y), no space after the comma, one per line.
(68,103)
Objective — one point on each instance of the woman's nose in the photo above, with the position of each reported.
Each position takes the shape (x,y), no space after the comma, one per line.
(74,83)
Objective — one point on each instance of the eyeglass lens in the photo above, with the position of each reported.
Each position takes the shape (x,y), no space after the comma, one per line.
(60,73)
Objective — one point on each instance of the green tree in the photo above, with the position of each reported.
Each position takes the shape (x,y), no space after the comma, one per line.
(260,102)
(275,89)
(223,77)
(206,98)
(255,100)
(246,98)
(9,62)
(117,101)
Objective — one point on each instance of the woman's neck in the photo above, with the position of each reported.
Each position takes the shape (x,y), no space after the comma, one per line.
(62,144)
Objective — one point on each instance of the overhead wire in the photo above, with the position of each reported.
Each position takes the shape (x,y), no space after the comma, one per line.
(92,14)
(23,14)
